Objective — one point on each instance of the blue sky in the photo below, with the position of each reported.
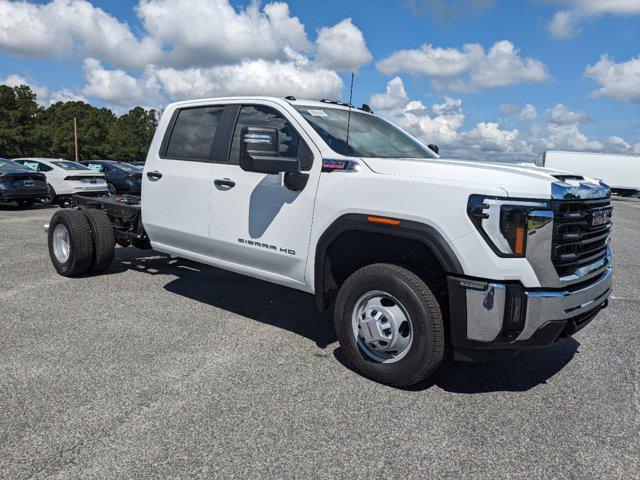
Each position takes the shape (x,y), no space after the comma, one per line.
(471,100)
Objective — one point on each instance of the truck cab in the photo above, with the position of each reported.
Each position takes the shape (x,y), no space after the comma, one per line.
(413,254)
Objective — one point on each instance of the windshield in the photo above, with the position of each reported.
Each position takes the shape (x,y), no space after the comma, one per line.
(7,166)
(67,165)
(369,136)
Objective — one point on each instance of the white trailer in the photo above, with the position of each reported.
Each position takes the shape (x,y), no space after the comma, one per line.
(620,172)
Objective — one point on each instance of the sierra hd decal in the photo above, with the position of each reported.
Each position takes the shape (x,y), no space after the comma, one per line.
(266,246)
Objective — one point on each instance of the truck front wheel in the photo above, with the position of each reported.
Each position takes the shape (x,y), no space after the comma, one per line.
(390,325)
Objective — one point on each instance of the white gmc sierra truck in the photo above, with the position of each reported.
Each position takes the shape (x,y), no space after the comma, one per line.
(415,255)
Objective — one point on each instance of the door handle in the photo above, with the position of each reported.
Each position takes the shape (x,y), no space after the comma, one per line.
(224,182)
(154,175)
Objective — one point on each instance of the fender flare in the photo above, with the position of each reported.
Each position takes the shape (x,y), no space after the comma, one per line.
(424,233)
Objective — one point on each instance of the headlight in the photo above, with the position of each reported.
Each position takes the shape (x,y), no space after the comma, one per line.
(503,222)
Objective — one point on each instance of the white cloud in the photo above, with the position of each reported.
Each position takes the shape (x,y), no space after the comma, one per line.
(250,77)
(561,115)
(569,137)
(469,69)
(212,32)
(175,34)
(185,48)
(620,81)
(619,144)
(63,28)
(44,95)
(42,92)
(528,112)
(442,123)
(117,86)
(342,47)
(566,23)
(563,25)
(563,131)
(394,97)
(66,95)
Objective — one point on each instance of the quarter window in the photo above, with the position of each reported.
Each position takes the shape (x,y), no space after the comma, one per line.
(193,133)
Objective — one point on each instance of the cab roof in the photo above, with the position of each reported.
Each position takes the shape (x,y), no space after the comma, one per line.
(279,100)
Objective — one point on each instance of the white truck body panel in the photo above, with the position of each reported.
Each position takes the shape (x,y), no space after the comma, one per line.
(617,171)
(188,216)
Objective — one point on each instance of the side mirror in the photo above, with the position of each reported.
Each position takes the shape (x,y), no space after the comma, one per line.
(259,152)
(434,148)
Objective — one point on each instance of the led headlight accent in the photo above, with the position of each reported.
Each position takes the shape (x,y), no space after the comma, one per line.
(503,222)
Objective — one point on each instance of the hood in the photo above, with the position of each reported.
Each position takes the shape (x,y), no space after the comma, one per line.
(521,181)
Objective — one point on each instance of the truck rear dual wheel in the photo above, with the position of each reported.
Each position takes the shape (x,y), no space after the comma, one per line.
(390,325)
(80,242)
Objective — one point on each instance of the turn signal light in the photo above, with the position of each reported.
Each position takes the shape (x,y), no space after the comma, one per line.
(383,220)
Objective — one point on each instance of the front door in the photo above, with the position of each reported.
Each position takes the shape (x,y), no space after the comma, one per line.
(259,226)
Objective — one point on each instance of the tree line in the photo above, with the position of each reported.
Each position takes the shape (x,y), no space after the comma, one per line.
(30,130)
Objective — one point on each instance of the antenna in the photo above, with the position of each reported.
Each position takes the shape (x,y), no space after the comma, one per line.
(350,106)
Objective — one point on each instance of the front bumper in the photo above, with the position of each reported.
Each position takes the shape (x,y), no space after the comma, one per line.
(496,316)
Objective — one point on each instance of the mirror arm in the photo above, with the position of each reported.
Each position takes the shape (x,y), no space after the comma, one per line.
(296,181)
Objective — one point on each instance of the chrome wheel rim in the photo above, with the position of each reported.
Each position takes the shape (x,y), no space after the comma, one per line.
(111,188)
(61,243)
(382,327)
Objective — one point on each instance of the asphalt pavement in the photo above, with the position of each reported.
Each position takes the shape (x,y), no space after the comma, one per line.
(164,368)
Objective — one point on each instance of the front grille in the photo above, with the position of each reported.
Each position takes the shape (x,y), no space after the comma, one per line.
(576,241)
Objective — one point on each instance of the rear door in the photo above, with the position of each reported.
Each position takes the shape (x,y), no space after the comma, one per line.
(176,184)
(259,226)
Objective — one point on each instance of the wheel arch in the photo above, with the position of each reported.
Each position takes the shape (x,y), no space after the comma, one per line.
(407,230)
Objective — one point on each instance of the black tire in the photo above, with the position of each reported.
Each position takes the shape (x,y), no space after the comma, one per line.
(80,243)
(426,352)
(51,199)
(112,189)
(104,241)
(25,203)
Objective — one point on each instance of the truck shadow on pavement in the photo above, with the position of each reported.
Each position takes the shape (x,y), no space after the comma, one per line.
(265,302)
(296,312)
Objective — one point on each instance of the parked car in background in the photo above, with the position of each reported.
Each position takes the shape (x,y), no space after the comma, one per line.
(21,185)
(140,165)
(66,178)
(121,177)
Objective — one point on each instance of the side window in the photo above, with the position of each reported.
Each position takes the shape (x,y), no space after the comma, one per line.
(193,133)
(291,145)
(31,165)
(96,167)
(44,168)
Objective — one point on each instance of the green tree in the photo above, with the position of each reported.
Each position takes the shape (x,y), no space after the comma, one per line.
(27,129)
(19,114)
(131,135)
(55,132)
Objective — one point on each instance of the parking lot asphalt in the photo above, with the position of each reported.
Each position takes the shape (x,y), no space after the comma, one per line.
(165,368)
